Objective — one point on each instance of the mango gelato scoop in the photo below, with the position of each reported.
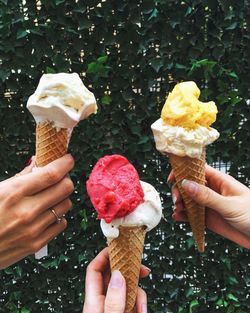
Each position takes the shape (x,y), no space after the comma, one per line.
(183,107)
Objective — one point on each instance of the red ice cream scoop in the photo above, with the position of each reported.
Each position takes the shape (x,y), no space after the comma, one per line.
(114,187)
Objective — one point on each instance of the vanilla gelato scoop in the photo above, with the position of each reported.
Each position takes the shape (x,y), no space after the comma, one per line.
(147,213)
(180,141)
(62,99)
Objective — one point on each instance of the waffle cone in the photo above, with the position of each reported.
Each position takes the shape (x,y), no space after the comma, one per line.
(191,169)
(51,143)
(125,253)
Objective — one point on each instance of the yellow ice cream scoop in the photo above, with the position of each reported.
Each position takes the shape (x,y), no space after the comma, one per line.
(182,107)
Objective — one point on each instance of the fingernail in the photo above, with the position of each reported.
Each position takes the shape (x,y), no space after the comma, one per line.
(190,186)
(168,179)
(174,199)
(28,162)
(116,280)
(144,308)
(147,269)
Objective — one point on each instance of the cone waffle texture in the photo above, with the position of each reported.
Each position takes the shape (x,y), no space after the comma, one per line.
(51,143)
(125,253)
(191,169)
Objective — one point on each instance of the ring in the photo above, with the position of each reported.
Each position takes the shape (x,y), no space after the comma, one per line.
(58,219)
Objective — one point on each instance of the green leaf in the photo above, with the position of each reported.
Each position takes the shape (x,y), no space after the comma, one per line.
(84,224)
(232,26)
(58,2)
(106,99)
(233,280)
(21,34)
(3,74)
(50,70)
(24,310)
(102,59)
(230,296)
(189,292)
(153,14)
(193,304)
(143,140)
(156,64)
(205,63)
(180,66)
(180,309)
(234,75)
(85,23)
(189,10)
(231,309)
(220,302)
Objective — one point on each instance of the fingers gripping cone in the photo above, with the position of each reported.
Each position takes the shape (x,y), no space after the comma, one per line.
(125,253)
(191,169)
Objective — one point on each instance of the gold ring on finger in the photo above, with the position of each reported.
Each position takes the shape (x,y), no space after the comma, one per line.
(58,218)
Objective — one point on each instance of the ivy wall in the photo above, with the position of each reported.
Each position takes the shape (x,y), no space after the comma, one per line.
(130,54)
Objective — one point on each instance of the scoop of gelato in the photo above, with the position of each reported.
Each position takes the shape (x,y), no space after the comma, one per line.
(183,108)
(114,187)
(62,99)
(148,213)
(181,141)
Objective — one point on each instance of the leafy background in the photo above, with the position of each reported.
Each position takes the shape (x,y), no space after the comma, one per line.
(130,54)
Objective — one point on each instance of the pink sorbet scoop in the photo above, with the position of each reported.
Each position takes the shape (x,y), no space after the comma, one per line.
(114,187)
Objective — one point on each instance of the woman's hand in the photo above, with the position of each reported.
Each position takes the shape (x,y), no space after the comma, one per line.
(227,202)
(106,293)
(26,220)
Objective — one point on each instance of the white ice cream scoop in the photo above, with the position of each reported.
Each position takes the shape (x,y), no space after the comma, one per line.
(62,99)
(148,214)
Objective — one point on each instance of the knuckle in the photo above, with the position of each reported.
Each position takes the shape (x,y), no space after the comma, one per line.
(64,223)
(11,199)
(68,185)
(142,292)
(24,216)
(52,175)
(32,233)
(142,295)
(113,306)
(206,196)
(68,203)
(89,268)
(91,265)
(34,247)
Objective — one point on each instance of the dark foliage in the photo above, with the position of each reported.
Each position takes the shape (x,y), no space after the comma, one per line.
(130,54)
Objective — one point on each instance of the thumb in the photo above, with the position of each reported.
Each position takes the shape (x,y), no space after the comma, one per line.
(116,294)
(208,197)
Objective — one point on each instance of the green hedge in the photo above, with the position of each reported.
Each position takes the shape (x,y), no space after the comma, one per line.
(130,54)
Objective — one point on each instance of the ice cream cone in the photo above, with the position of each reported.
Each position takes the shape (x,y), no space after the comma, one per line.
(51,143)
(191,169)
(125,253)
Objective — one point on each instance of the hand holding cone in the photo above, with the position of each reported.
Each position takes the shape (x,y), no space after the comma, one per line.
(128,208)
(182,133)
(57,105)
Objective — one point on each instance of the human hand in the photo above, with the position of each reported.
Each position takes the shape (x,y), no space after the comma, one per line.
(227,202)
(105,295)
(26,220)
